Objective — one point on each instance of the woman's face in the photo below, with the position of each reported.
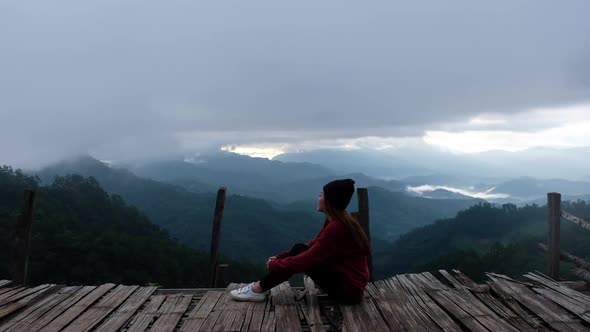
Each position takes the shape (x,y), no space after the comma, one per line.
(321,206)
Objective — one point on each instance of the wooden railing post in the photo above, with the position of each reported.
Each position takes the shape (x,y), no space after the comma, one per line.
(214,256)
(363,218)
(22,240)
(554,207)
(220,276)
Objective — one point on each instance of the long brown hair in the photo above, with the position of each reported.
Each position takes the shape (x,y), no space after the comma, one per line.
(358,234)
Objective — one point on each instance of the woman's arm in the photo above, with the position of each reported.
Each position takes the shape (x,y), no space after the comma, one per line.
(323,247)
(286,253)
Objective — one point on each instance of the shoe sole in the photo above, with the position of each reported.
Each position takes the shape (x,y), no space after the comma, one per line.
(247,300)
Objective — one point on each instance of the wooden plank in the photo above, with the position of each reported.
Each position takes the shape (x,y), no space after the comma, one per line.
(366,315)
(8,292)
(314,318)
(239,319)
(269,324)
(406,308)
(23,293)
(439,295)
(97,312)
(61,307)
(571,304)
(566,297)
(198,292)
(197,316)
(4,292)
(22,321)
(517,308)
(362,317)
(72,313)
(439,316)
(32,295)
(247,317)
(214,318)
(482,292)
(127,310)
(552,284)
(548,311)
(286,314)
(232,313)
(230,320)
(256,310)
(579,221)
(171,312)
(469,303)
(382,295)
(4,283)
(143,319)
(8,289)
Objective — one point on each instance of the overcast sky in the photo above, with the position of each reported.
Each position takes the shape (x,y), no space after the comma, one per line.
(129,79)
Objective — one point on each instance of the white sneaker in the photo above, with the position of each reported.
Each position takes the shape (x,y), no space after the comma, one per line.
(246,294)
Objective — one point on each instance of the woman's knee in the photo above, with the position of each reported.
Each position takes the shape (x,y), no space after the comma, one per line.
(299,248)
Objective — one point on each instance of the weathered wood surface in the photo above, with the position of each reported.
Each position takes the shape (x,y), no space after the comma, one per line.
(568,216)
(216,235)
(24,298)
(25,319)
(483,293)
(313,316)
(554,315)
(554,218)
(146,315)
(286,316)
(569,257)
(22,239)
(171,312)
(127,310)
(449,301)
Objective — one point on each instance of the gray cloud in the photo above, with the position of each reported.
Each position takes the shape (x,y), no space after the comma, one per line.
(124,77)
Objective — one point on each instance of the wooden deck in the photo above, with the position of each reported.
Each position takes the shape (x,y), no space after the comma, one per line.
(410,302)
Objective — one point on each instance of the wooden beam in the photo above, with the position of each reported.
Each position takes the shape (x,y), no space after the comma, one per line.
(554,207)
(363,218)
(314,317)
(22,240)
(220,276)
(581,273)
(215,236)
(568,216)
(566,256)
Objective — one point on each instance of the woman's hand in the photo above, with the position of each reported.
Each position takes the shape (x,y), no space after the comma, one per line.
(270,259)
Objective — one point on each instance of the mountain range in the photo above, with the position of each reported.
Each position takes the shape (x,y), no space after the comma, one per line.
(187,213)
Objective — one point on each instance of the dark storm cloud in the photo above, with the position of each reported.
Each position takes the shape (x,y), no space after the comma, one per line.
(125,77)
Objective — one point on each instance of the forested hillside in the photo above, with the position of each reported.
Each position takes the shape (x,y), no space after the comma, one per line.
(81,234)
(485,238)
(253,228)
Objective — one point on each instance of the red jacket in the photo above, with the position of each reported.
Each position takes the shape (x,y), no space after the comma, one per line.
(334,247)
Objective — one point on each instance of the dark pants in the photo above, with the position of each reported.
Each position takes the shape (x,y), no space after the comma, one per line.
(325,278)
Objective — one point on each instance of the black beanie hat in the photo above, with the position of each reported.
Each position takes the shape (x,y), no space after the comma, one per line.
(338,193)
